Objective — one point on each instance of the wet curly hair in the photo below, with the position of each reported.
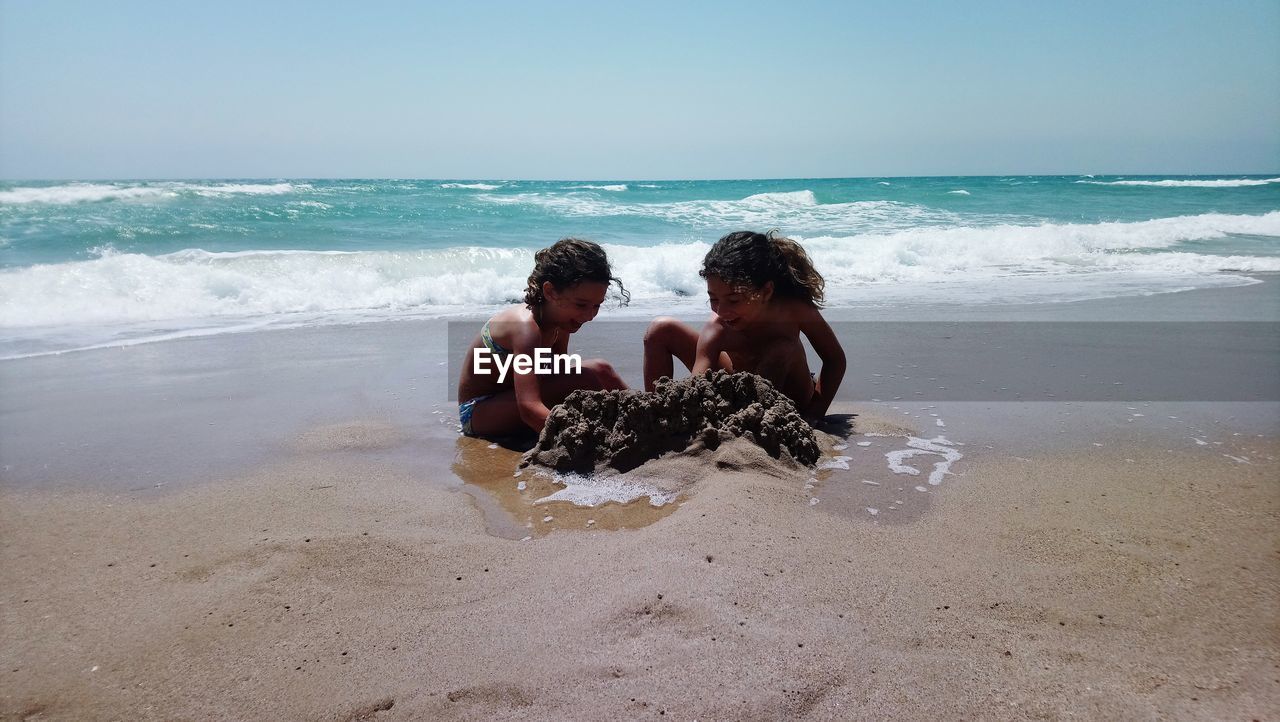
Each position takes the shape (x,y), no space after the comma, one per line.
(754,259)
(567,262)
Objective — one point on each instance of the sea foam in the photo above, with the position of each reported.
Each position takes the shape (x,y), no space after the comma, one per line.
(592,490)
(95,192)
(120,287)
(82,193)
(1198,183)
(254,189)
(797,211)
(937,446)
(193,284)
(472,186)
(938,254)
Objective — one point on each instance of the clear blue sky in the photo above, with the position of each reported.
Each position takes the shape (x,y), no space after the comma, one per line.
(596,90)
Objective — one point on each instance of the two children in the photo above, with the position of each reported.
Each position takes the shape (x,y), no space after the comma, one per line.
(764,292)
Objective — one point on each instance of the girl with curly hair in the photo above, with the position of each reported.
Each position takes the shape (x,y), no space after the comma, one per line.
(764,293)
(569,283)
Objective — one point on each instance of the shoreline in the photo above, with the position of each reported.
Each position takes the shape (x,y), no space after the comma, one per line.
(198,410)
(893,308)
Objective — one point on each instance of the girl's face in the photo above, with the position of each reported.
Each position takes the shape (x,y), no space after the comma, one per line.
(569,308)
(737,305)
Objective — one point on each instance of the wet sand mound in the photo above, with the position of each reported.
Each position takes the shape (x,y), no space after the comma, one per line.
(621,430)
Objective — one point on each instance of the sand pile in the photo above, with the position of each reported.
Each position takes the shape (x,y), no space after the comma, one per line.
(621,430)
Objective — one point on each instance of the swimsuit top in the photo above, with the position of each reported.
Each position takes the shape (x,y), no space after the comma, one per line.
(494,347)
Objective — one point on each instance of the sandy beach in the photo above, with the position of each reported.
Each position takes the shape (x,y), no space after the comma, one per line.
(251,252)
(286,524)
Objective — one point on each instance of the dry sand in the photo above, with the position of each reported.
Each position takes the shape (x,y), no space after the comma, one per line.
(1123,583)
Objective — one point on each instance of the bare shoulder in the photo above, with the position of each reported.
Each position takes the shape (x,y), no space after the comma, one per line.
(714,338)
(798,312)
(714,331)
(515,328)
(821,336)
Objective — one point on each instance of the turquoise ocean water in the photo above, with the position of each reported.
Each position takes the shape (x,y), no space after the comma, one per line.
(96,263)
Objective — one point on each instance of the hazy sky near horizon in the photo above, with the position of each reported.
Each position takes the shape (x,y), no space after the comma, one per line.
(591,90)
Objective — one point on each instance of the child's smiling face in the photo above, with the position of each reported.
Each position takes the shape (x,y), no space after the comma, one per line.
(571,307)
(737,305)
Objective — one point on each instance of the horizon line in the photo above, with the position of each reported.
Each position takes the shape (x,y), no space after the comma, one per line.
(160,179)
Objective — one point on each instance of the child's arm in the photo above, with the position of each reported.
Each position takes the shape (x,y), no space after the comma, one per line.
(710,344)
(533,410)
(828,348)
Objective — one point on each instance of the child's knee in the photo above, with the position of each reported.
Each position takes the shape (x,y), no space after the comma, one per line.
(599,374)
(659,330)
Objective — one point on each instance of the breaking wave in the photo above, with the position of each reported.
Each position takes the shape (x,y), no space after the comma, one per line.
(97,192)
(1202,183)
(198,289)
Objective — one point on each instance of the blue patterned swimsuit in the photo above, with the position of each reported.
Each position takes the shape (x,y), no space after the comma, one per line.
(466,408)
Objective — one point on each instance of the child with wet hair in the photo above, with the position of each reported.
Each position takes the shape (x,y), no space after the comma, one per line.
(569,283)
(764,293)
